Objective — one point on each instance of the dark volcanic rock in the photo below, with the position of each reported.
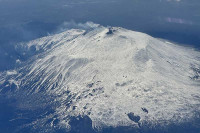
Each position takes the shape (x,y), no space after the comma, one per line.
(90,85)
(134,117)
(145,110)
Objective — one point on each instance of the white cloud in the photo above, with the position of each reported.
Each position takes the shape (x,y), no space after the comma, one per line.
(178,21)
(73,25)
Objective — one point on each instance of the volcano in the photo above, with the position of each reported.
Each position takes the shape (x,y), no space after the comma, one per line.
(114,76)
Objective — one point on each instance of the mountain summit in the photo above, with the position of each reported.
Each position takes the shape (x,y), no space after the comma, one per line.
(115,76)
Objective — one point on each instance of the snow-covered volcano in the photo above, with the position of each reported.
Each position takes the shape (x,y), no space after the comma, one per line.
(115,76)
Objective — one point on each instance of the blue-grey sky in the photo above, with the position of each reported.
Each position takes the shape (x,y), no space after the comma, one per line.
(156,17)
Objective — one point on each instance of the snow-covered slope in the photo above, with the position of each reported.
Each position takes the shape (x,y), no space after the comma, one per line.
(115,76)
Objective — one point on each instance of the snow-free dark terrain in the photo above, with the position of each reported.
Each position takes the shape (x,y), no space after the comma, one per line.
(101,79)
